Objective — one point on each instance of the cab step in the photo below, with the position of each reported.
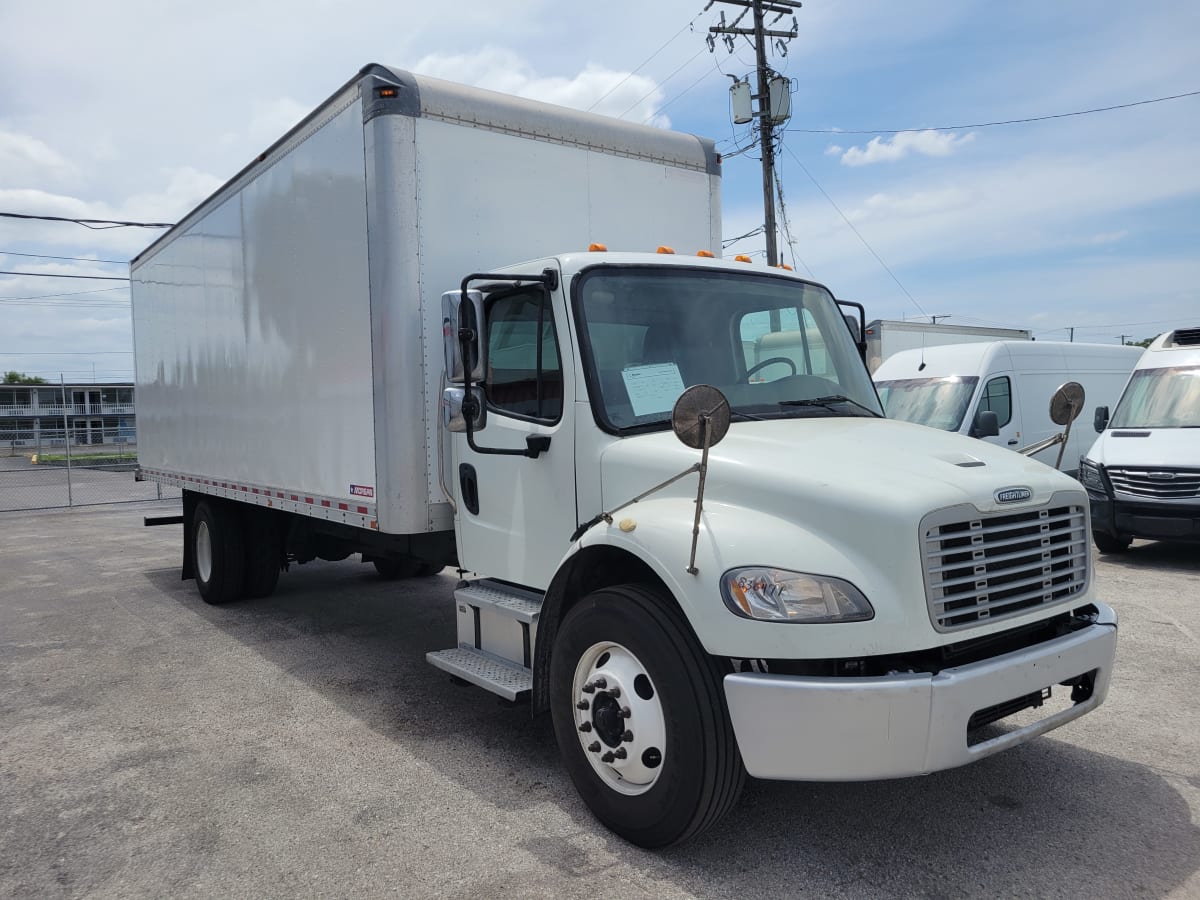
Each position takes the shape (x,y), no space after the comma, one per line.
(497,632)
(500,676)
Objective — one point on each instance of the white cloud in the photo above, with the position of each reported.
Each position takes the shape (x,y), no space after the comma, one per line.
(614,93)
(834,150)
(922,143)
(27,160)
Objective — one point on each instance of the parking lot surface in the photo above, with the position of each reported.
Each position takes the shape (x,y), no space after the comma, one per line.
(153,746)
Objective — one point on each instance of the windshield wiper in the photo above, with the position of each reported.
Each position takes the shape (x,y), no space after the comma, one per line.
(747,417)
(827,402)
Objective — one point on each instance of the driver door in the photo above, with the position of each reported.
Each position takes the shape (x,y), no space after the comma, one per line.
(516,513)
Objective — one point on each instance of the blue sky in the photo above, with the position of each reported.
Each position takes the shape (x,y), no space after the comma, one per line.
(137,110)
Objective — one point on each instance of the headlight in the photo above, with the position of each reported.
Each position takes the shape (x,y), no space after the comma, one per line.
(777,595)
(1089,474)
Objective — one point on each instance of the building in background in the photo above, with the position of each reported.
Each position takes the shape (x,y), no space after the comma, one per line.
(42,417)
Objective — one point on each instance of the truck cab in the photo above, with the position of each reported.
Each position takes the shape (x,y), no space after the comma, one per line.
(840,607)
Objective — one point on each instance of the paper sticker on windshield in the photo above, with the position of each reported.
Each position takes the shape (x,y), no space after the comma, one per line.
(654,388)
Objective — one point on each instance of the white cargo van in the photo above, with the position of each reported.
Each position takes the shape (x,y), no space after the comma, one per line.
(1143,472)
(947,387)
(341,351)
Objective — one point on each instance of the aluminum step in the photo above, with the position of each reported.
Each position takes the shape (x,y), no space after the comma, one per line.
(524,606)
(501,677)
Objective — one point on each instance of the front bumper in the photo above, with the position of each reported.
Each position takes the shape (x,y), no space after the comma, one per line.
(804,728)
(1179,521)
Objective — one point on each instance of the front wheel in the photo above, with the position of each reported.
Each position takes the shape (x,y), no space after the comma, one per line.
(640,717)
(1107,543)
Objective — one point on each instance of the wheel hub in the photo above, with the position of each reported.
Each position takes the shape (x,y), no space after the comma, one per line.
(619,718)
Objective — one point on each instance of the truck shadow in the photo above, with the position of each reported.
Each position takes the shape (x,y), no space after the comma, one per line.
(1157,555)
(1048,818)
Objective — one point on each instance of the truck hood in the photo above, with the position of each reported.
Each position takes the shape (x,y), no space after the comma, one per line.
(1147,447)
(881,467)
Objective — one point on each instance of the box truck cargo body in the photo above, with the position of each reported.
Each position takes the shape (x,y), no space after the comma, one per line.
(948,387)
(887,337)
(648,467)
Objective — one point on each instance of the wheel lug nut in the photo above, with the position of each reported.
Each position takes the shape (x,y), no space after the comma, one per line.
(600,683)
(589,688)
(627,736)
(594,747)
(607,757)
(616,692)
(583,704)
(625,713)
(585,727)
(620,753)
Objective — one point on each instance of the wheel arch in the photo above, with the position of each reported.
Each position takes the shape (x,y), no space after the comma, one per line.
(590,569)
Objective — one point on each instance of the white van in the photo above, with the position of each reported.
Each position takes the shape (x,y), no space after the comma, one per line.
(948,387)
(1143,472)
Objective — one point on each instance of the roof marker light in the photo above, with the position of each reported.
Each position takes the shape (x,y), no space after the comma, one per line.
(741,257)
(665,249)
(785,266)
(597,248)
(707,254)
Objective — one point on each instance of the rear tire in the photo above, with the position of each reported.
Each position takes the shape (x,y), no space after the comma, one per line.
(1107,543)
(681,771)
(217,545)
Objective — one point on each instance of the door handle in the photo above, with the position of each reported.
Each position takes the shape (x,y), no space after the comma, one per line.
(1013,443)
(469,488)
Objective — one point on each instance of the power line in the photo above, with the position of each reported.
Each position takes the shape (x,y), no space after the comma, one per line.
(95,224)
(52,296)
(115,262)
(52,275)
(661,83)
(878,258)
(645,62)
(1082,112)
(63,352)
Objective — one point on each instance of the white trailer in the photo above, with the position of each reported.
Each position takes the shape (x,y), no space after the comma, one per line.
(887,337)
(822,595)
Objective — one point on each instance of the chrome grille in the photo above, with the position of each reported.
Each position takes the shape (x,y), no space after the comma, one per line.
(1161,484)
(984,567)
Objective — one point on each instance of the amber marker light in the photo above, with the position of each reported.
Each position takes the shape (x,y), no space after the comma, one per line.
(665,249)
(597,248)
(707,254)
(387,93)
(741,257)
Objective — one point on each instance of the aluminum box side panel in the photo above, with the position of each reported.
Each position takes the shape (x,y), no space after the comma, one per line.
(254,352)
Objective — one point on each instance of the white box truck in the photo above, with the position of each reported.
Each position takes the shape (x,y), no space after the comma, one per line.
(886,337)
(341,352)
(949,387)
(1143,472)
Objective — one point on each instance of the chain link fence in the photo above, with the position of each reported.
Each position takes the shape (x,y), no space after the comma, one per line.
(89,464)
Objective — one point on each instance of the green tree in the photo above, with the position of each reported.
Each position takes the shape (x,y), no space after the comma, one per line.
(21,378)
(1146,342)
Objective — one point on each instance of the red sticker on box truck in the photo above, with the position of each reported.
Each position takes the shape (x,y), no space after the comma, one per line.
(361,490)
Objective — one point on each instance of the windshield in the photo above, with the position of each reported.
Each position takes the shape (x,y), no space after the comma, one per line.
(1160,398)
(776,347)
(936,402)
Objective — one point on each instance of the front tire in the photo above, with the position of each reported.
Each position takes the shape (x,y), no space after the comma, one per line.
(653,754)
(218,554)
(1107,543)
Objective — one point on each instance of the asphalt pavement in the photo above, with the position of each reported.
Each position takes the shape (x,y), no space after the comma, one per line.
(153,746)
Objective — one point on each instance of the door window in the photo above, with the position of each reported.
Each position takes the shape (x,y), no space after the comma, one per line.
(997,396)
(524,375)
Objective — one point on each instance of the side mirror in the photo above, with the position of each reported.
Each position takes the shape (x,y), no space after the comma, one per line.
(987,424)
(456,316)
(1101,420)
(456,407)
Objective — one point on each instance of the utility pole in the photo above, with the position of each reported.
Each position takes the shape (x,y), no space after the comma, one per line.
(1071,328)
(759,8)
(1122,337)
(933,319)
